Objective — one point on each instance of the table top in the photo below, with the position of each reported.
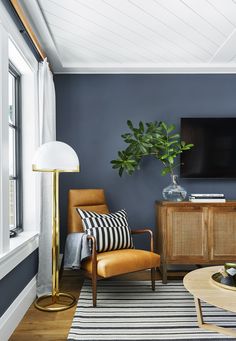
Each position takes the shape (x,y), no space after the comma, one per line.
(199,284)
(165,203)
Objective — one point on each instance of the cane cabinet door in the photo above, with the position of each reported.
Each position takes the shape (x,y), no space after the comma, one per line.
(187,234)
(222,233)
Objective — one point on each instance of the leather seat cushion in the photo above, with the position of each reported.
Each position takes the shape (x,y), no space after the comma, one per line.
(113,263)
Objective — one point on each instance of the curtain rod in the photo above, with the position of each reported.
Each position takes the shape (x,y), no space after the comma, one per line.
(28,28)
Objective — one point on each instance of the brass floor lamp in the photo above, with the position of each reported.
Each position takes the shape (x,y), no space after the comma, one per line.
(55,157)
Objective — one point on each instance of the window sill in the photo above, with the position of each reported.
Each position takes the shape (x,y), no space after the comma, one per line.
(20,248)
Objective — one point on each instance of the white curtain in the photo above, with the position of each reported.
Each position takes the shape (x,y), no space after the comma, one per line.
(47,132)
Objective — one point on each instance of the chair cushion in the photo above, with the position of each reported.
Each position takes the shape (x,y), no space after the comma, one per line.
(110,230)
(119,262)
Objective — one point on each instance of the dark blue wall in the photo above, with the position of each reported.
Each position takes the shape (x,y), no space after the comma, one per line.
(15,281)
(92,111)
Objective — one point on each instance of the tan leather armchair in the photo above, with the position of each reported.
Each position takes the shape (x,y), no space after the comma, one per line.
(110,263)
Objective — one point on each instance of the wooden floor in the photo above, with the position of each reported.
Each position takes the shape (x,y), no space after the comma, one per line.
(47,326)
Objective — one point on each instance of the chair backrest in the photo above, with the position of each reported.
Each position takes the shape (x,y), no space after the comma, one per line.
(86,199)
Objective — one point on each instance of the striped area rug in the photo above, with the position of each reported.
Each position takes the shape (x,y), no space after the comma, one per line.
(132,311)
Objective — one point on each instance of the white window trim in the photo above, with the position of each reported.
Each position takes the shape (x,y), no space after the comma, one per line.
(4,234)
(14,251)
(20,248)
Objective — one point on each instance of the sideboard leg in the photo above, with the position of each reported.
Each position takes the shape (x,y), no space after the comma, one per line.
(164,273)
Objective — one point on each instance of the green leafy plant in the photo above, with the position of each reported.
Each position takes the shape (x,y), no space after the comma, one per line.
(154,138)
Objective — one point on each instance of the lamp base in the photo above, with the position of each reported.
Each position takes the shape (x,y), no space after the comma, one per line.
(53,303)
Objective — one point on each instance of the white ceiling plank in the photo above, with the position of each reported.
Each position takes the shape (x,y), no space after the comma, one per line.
(193,19)
(177,24)
(132,17)
(91,36)
(226,8)
(127,27)
(121,50)
(173,35)
(136,36)
(213,17)
(100,51)
(148,51)
(227,51)
(77,54)
(74,53)
(195,30)
(104,51)
(93,52)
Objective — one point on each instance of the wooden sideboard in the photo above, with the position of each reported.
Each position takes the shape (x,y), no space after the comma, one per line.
(195,233)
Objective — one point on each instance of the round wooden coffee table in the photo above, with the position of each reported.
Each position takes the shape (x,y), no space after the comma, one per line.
(200,285)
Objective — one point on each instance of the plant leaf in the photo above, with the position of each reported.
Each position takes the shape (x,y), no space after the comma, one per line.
(130,124)
(141,126)
(171,128)
(151,138)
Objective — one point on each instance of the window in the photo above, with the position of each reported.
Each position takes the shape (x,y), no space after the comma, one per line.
(24,213)
(15,188)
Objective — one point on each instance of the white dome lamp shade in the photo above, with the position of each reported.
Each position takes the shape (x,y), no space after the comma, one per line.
(55,156)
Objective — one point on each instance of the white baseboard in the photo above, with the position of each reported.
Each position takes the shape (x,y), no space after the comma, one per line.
(12,317)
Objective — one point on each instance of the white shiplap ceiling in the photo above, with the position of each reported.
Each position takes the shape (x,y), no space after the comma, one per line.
(90,36)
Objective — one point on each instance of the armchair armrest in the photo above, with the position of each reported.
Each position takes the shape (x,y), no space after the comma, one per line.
(145,231)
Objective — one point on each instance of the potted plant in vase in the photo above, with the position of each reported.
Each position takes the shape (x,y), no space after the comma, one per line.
(156,139)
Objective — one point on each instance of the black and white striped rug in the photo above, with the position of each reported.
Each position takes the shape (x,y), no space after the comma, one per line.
(132,311)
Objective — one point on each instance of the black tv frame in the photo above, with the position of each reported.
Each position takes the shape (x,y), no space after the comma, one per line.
(188,136)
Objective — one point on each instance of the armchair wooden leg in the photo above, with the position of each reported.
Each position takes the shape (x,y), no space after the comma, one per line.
(94,269)
(153,273)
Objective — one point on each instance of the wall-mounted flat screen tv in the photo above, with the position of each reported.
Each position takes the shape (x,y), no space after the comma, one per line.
(214,151)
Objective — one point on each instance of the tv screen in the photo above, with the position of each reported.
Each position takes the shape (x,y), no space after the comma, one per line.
(214,151)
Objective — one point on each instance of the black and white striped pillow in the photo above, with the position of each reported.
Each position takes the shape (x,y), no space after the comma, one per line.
(110,230)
